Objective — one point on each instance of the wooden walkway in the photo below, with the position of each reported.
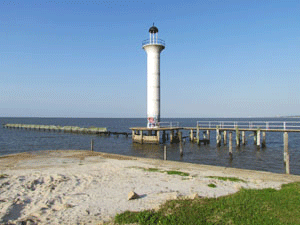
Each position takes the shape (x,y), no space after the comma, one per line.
(242,129)
(224,134)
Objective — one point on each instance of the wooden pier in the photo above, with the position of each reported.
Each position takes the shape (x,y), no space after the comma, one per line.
(259,129)
(223,130)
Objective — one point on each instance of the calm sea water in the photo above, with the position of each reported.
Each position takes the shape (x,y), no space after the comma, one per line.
(245,157)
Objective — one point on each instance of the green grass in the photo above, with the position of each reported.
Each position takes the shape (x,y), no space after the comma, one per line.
(233,179)
(212,185)
(248,206)
(174,172)
(2,176)
(170,172)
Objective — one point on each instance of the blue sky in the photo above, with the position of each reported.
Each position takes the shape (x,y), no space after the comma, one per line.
(85,58)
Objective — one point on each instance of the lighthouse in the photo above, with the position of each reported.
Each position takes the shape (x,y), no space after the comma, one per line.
(153,47)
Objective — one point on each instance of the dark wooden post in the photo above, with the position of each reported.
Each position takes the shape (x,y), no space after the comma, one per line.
(92,145)
(263,144)
(181,149)
(198,138)
(164,136)
(230,144)
(141,136)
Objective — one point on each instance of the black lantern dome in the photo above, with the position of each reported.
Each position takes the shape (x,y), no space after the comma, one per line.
(153,29)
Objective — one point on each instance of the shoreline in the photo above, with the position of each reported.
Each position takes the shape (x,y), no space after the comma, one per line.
(80,186)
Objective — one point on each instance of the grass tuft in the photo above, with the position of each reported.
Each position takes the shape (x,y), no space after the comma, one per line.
(248,206)
(170,172)
(212,185)
(233,179)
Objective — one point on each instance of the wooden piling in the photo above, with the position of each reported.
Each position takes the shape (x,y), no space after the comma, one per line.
(141,134)
(181,149)
(180,143)
(243,138)
(208,134)
(204,137)
(165,152)
(218,137)
(225,137)
(263,144)
(171,136)
(230,144)
(197,136)
(180,136)
(191,135)
(258,138)
(255,137)
(92,145)
(286,156)
(237,136)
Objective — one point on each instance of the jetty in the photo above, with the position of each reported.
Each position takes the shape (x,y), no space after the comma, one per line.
(70,129)
(66,129)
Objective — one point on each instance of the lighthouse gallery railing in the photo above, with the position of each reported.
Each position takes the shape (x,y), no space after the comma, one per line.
(154,42)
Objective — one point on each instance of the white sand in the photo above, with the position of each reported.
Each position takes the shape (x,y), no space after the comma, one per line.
(81,187)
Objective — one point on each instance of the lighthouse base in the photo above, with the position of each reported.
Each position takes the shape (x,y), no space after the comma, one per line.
(155,135)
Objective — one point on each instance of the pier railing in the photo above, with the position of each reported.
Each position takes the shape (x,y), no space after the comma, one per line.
(268,125)
(168,124)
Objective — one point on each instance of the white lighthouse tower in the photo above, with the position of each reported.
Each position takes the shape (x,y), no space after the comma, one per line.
(153,47)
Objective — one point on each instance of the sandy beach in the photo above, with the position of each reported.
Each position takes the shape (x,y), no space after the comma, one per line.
(84,187)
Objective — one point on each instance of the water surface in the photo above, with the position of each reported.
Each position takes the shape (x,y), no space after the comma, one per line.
(245,157)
